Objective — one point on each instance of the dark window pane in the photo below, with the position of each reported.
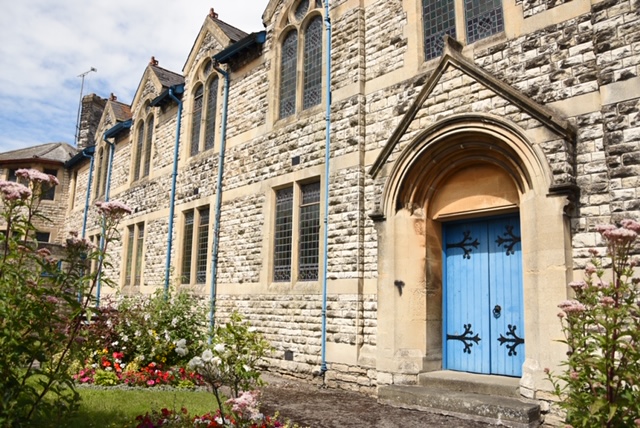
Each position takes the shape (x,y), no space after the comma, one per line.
(283,235)
(187,247)
(203,244)
(309,246)
(288,70)
(49,192)
(484,18)
(138,158)
(43,236)
(139,250)
(438,19)
(301,10)
(129,264)
(147,147)
(195,120)
(212,101)
(312,94)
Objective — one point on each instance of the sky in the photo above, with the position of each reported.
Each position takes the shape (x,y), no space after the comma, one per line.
(45,45)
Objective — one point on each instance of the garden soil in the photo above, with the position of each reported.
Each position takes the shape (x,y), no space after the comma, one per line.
(310,405)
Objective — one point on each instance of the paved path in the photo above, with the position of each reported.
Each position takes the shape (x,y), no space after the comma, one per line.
(314,407)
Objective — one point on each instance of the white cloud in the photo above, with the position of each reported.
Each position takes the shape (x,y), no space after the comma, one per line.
(48,43)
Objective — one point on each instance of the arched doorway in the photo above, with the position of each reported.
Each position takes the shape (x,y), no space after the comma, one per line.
(483,308)
(469,174)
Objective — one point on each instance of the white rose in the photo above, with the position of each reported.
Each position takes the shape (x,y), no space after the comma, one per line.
(207,356)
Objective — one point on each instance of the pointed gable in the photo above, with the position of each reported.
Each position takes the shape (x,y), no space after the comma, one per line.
(457,87)
(115,112)
(154,80)
(214,36)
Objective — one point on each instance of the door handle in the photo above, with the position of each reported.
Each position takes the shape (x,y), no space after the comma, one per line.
(497,311)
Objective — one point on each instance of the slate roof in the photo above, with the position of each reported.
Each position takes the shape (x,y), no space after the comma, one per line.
(52,152)
(121,111)
(167,78)
(232,32)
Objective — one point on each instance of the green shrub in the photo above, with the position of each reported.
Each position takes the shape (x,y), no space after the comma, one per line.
(105,378)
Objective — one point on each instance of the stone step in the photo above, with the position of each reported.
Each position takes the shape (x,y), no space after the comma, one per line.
(501,386)
(505,411)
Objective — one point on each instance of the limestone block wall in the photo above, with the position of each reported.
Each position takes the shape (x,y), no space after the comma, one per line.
(292,323)
(385,40)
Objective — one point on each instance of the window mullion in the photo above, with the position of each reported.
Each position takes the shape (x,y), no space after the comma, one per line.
(461,22)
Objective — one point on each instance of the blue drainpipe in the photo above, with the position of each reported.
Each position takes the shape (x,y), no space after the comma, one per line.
(174,176)
(112,148)
(327,157)
(88,153)
(216,227)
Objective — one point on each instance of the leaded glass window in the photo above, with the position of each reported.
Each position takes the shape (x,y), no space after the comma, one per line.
(212,100)
(288,71)
(283,235)
(187,247)
(139,248)
(147,147)
(309,244)
(129,262)
(195,246)
(301,10)
(139,147)
(49,192)
(134,255)
(312,91)
(439,19)
(203,244)
(483,18)
(196,119)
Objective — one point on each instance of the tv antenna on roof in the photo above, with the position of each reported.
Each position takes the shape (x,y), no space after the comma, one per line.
(77,136)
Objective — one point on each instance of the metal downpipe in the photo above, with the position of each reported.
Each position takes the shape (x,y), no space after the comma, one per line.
(112,149)
(172,201)
(327,21)
(216,227)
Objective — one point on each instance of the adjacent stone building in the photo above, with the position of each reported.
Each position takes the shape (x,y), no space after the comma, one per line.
(49,158)
(475,145)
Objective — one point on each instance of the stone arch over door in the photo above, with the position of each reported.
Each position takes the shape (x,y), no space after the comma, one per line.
(466,167)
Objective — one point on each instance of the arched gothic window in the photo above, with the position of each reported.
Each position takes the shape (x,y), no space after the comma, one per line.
(143,147)
(288,73)
(212,103)
(204,110)
(196,120)
(147,146)
(301,50)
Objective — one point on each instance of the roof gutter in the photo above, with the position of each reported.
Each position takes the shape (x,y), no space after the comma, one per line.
(253,39)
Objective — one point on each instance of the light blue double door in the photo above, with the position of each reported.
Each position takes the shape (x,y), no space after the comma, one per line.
(483,302)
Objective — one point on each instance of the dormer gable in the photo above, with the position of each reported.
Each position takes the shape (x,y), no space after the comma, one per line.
(214,36)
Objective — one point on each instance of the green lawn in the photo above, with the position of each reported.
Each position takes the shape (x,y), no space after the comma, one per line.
(119,408)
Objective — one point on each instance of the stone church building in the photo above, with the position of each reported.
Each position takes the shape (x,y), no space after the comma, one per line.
(474,147)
